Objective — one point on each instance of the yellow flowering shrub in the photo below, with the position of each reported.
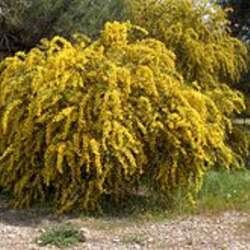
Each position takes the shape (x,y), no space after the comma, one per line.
(207,55)
(198,33)
(82,120)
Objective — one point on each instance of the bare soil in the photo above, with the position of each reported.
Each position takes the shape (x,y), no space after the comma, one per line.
(228,230)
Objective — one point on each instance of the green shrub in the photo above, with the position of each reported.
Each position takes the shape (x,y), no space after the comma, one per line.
(86,119)
(24,22)
(61,236)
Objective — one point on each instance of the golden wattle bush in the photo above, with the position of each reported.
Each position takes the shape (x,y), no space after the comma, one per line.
(207,55)
(198,33)
(82,120)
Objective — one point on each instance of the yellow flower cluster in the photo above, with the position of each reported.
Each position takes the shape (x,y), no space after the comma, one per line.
(207,56)
(198,35)
(83,120)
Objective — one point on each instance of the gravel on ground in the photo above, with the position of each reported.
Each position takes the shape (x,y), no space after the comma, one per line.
(228,230)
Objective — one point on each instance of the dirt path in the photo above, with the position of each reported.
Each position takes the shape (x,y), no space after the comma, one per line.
(230,230)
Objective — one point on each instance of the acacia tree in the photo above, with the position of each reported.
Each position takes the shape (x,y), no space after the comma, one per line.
(198,34)
(93,119)
(207,54)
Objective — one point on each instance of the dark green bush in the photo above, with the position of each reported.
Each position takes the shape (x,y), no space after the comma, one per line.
(24,22)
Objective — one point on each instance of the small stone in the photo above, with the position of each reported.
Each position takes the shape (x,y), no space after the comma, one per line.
(84,234)
(150,240)
(137,246)
(116,240)
(39,242)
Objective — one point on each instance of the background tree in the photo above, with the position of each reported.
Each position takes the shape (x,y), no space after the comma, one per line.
(24,22)
(239,17)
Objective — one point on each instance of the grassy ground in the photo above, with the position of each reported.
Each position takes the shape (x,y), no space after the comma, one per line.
(221,191)
(225,191)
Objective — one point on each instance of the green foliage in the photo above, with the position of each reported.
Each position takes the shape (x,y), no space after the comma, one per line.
(225,190)
(222,191)
(24,22)
(86,119)
(60,235)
